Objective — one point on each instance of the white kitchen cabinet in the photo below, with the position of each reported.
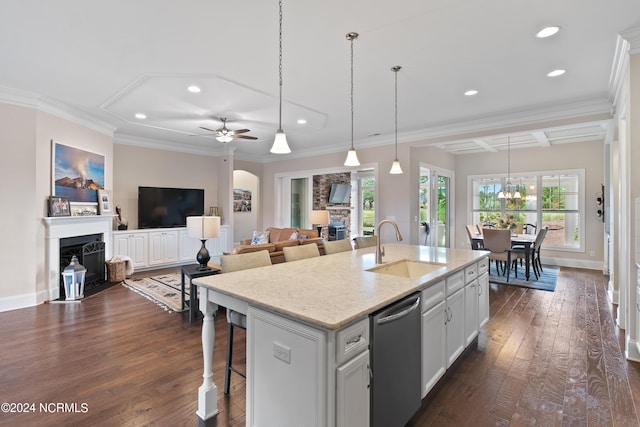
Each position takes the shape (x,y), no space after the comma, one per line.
(189,246)
(163,247)
(434,342)
(483,299)
(352,392)
(471,311)
(455,326)
(285,361)
(134,245)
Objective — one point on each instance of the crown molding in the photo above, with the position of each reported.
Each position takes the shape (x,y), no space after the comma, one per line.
(56,108)
(632,35)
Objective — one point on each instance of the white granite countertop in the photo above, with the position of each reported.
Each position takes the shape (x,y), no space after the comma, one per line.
(332,291)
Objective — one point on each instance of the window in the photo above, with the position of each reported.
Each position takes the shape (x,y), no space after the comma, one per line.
(553,200)
(367,197)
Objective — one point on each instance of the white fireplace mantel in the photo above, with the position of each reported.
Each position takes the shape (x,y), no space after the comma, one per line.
(71,226)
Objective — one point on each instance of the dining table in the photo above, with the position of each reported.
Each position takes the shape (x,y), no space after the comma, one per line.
(517,240)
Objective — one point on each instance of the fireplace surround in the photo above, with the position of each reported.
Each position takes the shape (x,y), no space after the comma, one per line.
(68,227)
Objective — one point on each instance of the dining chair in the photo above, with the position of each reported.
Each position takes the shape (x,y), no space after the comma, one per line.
(534,259)
(498,243)
(479,229)
(530,228)
(295,253)
(229,264)
(335,246)
(471,232)
(535,251)
(365,242)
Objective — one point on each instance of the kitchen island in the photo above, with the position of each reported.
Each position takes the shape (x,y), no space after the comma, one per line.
(308,327)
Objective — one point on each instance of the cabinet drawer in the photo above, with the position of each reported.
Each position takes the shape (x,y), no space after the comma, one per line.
(352,340)
(455,282)
(471,273)
(432,295)
(483,266)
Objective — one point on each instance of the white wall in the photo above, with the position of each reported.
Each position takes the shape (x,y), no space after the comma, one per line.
(25,171)
(136,166)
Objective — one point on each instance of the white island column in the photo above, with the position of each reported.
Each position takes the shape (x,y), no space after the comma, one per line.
(208,392)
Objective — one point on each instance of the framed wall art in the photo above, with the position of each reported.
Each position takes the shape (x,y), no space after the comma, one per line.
(77,174)
(241,200)
(59,206)
(104,202)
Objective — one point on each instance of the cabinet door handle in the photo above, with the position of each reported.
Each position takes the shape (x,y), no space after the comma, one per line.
(370,375)
(354,340)
(479,290)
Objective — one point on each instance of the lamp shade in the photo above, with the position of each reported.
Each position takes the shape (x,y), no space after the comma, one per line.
(280,145)
(319,217)
(203,227)
(395,168)
(352,159)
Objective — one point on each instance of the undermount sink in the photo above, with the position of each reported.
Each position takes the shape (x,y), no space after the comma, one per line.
(407,268)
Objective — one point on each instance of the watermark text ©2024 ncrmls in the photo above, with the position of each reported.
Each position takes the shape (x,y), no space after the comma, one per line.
(45,407)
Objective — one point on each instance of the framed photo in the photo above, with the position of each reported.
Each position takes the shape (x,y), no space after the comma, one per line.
(104,202)
(77,174)
(241,200)
(59,206)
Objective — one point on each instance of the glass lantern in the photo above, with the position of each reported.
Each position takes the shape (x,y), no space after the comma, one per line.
(73,278)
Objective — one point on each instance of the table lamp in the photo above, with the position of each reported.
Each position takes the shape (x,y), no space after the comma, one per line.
(319,219)
(203,228)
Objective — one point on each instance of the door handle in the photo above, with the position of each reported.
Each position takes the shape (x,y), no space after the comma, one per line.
(399,315)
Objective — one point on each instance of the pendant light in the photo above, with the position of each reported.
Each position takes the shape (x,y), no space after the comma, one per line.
(280,145)
(509,187)
(395,166)
(352,157)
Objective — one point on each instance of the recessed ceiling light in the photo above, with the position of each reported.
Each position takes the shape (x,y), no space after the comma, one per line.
(547,32)
(141,116)
(193,89)
(302,121)
(471,92)
(556,73)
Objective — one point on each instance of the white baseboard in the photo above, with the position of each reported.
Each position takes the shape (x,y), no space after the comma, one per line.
(570,262)
(22,301)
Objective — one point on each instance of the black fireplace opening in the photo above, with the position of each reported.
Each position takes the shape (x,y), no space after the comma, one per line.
(90,252)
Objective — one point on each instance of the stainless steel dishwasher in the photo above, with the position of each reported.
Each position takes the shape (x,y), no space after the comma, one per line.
(395,362)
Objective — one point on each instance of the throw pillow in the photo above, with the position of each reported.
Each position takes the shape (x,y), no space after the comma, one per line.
(294,236)
(260,237)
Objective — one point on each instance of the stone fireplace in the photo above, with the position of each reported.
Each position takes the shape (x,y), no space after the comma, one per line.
(75,228)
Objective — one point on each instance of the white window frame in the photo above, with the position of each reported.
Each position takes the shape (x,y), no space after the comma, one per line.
(539,174)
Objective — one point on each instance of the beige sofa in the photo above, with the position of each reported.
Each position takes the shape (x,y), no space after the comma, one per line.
(280,238)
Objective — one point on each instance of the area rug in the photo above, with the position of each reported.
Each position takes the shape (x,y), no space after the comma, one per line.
(163,290)
(546,282)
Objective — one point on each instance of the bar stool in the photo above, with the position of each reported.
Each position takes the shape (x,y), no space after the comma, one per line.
(231,263)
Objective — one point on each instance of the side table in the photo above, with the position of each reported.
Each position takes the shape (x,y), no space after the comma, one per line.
(192,271)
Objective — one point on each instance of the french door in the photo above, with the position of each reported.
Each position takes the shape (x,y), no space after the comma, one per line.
(435,207)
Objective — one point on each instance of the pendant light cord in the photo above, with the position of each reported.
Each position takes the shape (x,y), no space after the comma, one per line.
(280,67)
(396,69)
(352,39)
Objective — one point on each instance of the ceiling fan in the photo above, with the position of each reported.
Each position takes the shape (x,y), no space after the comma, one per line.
(226,135)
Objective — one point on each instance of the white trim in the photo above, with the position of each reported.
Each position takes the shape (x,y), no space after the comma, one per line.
(51,106)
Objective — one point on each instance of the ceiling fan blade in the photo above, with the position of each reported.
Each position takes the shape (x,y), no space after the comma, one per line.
(244,137)
(210,130)
(240,131)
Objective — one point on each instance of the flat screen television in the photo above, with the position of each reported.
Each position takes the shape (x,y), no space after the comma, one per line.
(168,207)
(340,193)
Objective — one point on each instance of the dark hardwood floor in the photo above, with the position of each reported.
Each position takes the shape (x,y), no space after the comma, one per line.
(544,358)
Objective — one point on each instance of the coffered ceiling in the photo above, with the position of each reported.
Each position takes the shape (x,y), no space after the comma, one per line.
(108,61)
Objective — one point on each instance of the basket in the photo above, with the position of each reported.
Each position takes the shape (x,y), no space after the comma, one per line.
(116,271)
